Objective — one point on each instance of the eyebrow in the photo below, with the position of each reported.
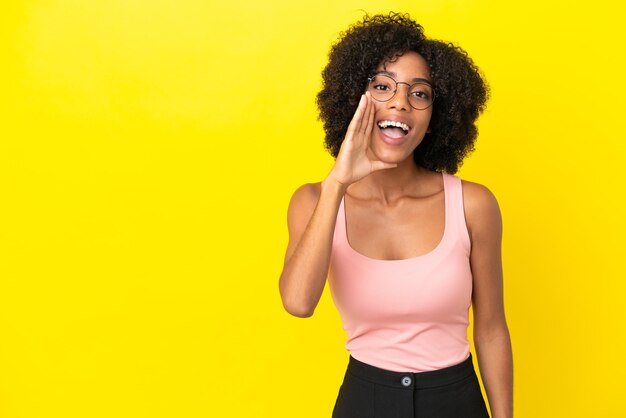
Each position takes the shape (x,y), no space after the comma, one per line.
(415,80)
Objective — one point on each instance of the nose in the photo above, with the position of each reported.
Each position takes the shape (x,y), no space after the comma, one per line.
(400,100)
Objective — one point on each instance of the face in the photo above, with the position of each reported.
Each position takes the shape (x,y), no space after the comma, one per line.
(394,144)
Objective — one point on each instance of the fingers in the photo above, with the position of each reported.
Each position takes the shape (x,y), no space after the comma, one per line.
(362,136)
(366,114)
(369,125)
(356,122)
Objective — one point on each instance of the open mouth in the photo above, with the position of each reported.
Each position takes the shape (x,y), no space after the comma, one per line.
(393,129)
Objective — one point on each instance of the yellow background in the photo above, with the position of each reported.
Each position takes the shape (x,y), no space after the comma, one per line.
(150,148)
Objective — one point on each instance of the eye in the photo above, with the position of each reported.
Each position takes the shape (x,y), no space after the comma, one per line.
(421,92)
(381,86)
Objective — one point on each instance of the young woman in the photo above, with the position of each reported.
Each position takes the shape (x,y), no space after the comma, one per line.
(406,245)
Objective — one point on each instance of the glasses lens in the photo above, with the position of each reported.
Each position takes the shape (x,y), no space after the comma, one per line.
(382,87)
(421,96)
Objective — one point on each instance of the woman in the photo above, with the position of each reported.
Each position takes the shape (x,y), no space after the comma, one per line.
(406,245)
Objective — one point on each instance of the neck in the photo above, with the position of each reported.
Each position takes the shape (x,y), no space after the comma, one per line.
(390,184)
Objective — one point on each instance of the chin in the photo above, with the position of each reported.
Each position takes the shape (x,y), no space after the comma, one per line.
(392,156)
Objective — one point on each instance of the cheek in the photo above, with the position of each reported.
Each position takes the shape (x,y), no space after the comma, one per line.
(425,121)
(377,106)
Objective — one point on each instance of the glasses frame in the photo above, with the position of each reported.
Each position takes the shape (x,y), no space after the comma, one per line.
(369,80)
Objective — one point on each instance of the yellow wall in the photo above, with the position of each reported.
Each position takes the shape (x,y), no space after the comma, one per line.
(149,150)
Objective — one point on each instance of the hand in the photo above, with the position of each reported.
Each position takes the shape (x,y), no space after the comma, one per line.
(353,163)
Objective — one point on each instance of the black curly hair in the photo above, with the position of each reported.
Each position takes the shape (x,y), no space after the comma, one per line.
(460,91)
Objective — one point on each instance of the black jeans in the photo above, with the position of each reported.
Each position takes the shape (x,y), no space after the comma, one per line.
(371,392)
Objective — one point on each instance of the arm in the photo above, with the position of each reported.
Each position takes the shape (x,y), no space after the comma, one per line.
(313,213)
(491,333)
(311,219)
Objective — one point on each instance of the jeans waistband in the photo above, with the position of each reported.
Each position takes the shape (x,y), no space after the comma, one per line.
(409,380)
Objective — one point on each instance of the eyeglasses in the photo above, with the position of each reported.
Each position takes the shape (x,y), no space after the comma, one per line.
(382,88)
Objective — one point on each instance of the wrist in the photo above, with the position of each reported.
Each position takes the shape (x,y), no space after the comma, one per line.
(332,185)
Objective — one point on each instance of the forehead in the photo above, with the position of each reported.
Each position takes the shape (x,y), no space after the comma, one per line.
(408,65)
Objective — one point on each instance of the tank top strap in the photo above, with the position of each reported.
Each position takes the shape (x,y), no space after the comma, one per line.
(455,230)
(454,192)
(340,225)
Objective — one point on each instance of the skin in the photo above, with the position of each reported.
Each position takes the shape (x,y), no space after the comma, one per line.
(396,211)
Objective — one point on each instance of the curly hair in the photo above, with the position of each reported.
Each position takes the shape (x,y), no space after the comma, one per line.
(460,91)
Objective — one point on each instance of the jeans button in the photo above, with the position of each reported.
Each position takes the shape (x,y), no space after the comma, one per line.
(406,381)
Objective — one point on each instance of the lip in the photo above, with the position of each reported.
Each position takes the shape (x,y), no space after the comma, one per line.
(394,118)
(393,141)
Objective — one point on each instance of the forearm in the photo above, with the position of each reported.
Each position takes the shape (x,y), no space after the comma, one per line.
(304,274)
(495,360)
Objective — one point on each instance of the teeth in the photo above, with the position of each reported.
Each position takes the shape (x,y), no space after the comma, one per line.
(387,123)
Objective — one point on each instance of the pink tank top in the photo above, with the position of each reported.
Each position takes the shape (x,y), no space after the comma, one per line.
(412,314)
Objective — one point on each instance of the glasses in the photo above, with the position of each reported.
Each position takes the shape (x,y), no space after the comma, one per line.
(382,88)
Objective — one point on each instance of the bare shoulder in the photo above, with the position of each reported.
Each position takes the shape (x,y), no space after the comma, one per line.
(301,208)
(303,203)
(482,212)
(306,195)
